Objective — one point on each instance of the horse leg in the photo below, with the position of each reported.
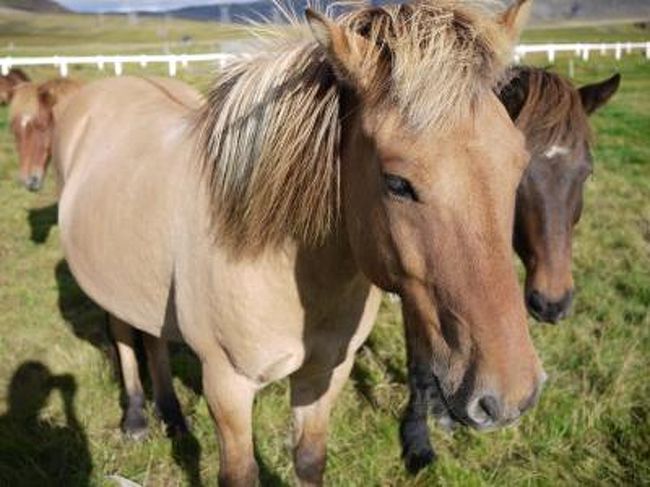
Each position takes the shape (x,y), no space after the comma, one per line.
(230,397)
(312,398)
(134,422)
(417,450)
(167,405)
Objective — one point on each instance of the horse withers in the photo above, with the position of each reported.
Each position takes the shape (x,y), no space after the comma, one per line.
(553,116)
(258,225)
(33,112)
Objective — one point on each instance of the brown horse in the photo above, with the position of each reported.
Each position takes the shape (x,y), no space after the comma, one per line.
(553,116)
(32,115)
(9,82)
(259,225)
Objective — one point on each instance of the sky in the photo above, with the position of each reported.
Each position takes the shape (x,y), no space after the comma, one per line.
(124,5)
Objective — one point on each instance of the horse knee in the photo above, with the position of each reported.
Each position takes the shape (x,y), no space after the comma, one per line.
(309,461)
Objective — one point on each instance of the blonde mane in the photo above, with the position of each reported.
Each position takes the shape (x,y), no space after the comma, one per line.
(270,132)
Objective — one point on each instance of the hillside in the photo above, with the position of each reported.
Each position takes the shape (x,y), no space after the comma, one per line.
(544,10)
(49,6)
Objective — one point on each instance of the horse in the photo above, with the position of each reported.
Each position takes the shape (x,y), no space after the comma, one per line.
(8,82)
(553,116)
(32,115)
(260,225)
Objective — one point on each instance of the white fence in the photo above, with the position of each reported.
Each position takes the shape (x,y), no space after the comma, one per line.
(583,50)
(63,63)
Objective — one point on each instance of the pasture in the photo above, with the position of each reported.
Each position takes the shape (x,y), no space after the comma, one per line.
(59,393)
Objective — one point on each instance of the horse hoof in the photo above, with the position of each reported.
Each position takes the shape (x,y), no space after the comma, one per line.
(135,427)
(417,460)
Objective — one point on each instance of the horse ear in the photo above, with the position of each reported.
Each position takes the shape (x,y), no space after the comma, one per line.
(343,47)
(514,19)
(46,98)
(513,95)
(595,96)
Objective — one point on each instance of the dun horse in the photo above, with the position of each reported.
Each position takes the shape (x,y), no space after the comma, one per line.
(9,82)
(376,156)
(552,115)
(32,115)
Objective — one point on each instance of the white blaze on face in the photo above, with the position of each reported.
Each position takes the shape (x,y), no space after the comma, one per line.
(24,120)
(556,150)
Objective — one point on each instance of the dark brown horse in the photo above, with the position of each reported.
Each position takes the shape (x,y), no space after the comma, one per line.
(553,115)
(8,82)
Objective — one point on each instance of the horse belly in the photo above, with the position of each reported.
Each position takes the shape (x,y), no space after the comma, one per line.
(117,208)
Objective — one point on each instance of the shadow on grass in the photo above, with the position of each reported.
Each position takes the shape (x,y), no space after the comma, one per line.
(41,221)
(36,451)
(89,323)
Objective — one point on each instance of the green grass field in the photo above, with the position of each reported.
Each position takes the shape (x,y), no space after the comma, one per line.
(60,399)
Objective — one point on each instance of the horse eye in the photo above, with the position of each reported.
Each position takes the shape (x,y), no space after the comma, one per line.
(400,187)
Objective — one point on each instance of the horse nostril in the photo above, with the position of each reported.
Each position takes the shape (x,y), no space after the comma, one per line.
(542,309)
(484,411)
(537,304)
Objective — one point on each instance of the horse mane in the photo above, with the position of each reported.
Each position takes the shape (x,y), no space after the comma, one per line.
(552,113)
(270,131)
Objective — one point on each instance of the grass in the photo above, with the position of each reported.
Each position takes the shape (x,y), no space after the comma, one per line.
(59,397)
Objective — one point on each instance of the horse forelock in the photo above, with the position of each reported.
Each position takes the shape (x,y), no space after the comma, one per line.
(24,103)
(552,115)
(270,132)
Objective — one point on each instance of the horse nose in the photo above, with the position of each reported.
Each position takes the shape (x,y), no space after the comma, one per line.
(485,411)
(544,309)
(488,411)
(33,183)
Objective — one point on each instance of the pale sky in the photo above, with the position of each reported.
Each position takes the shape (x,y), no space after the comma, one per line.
(124,5)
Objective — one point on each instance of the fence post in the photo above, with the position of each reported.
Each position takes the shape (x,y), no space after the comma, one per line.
(619,51)
(172,67)
(63,69)
(628,48)
(585,54)
(144,61)
(118,68)
(100,63)
(4,66)
(551,55)
(603,50)
(647,50)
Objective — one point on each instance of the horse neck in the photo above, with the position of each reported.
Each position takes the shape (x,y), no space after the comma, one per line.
(331,264)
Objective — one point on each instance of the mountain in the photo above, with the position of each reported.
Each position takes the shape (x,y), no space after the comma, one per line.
(543,10)
(49,6)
